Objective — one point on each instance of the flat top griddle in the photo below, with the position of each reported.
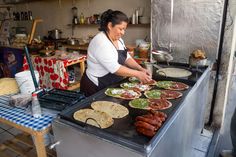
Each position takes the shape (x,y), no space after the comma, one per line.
(123,130)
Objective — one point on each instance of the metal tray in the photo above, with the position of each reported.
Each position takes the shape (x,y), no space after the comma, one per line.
(123,130)
(57,99)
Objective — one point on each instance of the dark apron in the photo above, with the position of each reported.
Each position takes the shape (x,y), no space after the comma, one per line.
(89,88)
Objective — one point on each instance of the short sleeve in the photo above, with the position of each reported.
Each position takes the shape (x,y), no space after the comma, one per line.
(107,56)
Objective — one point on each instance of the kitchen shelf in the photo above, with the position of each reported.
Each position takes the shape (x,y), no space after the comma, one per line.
(96,25)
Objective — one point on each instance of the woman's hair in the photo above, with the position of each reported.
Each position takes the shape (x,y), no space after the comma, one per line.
(115,17)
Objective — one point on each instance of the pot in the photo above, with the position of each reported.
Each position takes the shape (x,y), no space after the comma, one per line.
(161,56)
(54,34)
(197,62)
(72,41)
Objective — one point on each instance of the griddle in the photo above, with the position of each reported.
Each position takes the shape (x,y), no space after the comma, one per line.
(123,130)
(58,99)
(196,71)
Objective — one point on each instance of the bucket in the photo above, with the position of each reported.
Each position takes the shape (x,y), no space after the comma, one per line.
(25,81)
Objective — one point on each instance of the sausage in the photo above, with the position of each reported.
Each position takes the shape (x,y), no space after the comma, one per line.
(146,132)
(136,89)
(161,115)
(157,113)
(141,124)
(150,116)
(151,120)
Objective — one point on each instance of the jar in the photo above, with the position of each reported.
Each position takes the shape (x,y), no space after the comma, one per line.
(143,52)
(144,49)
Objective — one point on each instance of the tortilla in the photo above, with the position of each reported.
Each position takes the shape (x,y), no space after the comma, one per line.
(113,109)
(140,103)
(174,72)
(153,94)
(150,104)
(93,117)
(135,86)
(162,94)
(121,93)
(136,80)
(172,85)
(8,86)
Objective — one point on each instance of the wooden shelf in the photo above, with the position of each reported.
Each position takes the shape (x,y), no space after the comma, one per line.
(96,25)
(76,47)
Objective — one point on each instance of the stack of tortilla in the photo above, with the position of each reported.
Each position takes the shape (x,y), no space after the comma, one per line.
(113,109)
(8,86)
(102,114)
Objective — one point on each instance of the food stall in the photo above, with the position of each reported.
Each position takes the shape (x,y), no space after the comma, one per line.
(175,137)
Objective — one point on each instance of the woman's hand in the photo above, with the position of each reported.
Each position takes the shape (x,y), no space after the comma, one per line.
(147,72)
(143,76)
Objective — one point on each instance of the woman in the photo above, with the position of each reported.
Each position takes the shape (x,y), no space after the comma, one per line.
(107,60)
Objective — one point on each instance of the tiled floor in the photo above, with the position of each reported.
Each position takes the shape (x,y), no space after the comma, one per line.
(201,146)
(7,133)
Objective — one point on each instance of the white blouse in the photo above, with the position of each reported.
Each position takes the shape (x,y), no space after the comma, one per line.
(102,57)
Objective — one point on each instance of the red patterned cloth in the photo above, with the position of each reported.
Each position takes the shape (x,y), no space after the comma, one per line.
(52,71)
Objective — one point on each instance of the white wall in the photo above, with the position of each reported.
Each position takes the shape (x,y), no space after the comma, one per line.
(58,15)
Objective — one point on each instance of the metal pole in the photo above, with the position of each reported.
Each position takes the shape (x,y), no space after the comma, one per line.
(220,49)
(31,68)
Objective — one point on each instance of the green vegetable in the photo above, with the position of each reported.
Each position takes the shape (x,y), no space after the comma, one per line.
(139,103)
(153,94)
(128,85)
(134,80)
(109,92)
(164,84)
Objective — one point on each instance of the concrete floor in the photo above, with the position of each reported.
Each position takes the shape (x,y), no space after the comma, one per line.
(200,147)
(224,140)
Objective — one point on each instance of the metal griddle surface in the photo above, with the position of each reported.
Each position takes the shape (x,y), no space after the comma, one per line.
(196,71)
(123,130)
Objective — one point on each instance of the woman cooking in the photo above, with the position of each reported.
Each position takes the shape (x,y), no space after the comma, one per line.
(107,60)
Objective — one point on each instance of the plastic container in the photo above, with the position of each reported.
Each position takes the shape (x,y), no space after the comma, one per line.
(35,107)
(25,81)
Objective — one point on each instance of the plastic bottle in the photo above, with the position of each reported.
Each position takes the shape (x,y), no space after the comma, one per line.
(36,109)
(133,18)
(136,16)
(82,18)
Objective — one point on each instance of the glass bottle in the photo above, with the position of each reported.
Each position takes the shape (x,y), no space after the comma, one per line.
(81,20)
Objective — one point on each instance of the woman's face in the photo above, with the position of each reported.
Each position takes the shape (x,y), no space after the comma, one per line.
(117,31)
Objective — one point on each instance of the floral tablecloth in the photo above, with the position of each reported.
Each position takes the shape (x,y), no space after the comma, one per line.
(52,71)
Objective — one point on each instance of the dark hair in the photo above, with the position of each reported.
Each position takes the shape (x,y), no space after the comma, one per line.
(115,17)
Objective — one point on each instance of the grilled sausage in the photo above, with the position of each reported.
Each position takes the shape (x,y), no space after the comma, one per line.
(160,115)
(150,120)
(141,124)
(151,116)
(145,132)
